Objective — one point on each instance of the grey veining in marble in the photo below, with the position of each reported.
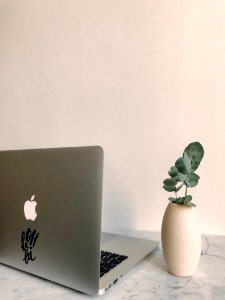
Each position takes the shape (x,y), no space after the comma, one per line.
(148,280)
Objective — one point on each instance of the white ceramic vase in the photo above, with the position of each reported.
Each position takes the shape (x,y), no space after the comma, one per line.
(181,239)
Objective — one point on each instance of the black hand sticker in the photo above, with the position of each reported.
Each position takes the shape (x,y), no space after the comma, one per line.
(28,241)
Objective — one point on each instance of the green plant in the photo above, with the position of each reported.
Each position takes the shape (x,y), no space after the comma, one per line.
(182,174)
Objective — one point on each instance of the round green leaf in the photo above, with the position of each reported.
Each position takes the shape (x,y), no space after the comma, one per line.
(195,152)
(180,177)
(188,198)
(179,200)
(169,182)
(191,179)
(182,165)
(172,199)
(173,171)
(169,188)
(190,204)
(187,162)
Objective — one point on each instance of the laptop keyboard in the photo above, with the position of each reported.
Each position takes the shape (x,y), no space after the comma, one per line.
(109,261)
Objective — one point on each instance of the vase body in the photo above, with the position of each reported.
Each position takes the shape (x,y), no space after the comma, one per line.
(181,239)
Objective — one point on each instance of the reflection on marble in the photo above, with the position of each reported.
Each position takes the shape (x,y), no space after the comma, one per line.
(148,280)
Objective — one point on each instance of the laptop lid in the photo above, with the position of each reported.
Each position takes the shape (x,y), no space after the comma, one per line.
(50,213)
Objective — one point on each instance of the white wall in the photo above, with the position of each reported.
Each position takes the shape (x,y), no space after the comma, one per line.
(142,78)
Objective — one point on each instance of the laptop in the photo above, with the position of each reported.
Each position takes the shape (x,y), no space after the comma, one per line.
(50,219)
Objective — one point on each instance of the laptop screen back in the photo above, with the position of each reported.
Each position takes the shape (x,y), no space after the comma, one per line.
(50,213)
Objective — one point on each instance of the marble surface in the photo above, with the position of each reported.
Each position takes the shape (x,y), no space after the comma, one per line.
(148,280)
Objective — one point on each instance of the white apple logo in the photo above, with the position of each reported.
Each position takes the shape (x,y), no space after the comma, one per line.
(29,209)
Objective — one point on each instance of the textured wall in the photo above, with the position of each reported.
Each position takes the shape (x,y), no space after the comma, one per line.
(141,78)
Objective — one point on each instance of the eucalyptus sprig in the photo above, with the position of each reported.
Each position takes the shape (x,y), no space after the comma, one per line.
(182,174)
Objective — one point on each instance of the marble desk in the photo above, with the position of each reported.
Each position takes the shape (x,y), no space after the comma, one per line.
(148,280)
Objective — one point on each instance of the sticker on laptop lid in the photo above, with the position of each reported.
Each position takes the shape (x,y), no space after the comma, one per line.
(29,236)
(28,241)
(29,209)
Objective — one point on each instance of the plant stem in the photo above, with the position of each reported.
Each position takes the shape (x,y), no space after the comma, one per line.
(176,193)
(185,191)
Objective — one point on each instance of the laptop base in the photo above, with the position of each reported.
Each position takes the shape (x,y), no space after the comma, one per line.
(134,248)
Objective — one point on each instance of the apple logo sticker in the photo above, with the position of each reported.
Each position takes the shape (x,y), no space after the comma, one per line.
(29,236)
(29,209)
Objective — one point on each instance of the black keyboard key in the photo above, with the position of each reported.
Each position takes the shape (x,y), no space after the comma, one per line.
(107,253)
(109,260)
(115,261)
(114,255)
(105,258)
(107,265)
(122,257)
(104,269)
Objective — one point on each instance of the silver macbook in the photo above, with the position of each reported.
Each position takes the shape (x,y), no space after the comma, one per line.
(50,219)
